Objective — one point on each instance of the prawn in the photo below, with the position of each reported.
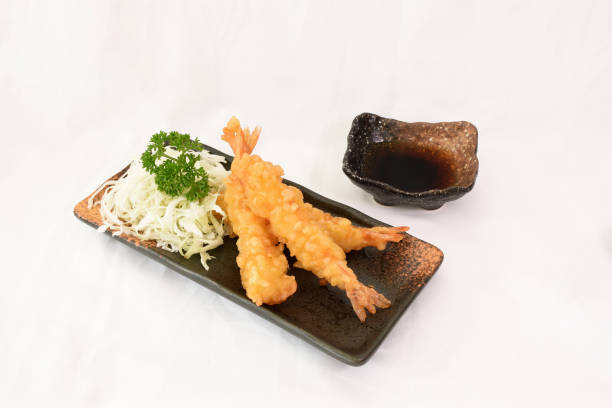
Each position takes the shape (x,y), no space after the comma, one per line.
(263,265)
(345,234)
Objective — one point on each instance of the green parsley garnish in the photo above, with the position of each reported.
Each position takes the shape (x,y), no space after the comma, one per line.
(178,176)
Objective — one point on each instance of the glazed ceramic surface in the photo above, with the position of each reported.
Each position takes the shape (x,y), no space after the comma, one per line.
(422,164)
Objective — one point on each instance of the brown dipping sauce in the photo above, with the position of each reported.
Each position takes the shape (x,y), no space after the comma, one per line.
(409,168)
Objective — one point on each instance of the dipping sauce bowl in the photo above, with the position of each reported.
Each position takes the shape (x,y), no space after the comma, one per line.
(420,163)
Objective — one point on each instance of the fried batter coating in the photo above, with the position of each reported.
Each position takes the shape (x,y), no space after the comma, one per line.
(263,266)
(290,221)
(345,234)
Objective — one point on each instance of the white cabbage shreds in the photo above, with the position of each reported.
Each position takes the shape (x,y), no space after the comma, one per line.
(133,205)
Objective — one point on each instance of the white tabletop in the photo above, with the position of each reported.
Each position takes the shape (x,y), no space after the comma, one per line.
(519,314)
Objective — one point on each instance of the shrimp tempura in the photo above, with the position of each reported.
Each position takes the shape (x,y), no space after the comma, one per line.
(315,250)
(263,266)
(345,234)
(263,210)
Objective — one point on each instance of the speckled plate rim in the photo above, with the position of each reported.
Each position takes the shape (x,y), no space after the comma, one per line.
(354,359)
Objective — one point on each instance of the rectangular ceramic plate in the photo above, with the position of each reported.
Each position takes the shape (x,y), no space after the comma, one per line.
(320,315)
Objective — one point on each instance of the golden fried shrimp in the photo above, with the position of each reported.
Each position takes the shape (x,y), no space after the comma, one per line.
(315,250)
(263,266)
(348,236)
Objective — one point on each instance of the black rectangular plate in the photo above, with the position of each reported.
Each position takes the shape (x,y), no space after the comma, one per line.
(321,315)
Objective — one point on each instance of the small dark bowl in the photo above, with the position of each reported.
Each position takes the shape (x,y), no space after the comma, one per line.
(422,164)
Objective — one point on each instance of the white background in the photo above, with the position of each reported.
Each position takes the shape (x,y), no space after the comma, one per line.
(519,314)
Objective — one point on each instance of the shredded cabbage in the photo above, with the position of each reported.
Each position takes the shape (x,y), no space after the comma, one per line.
(134,206)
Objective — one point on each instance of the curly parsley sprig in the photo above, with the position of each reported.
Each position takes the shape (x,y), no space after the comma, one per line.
(176,176)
